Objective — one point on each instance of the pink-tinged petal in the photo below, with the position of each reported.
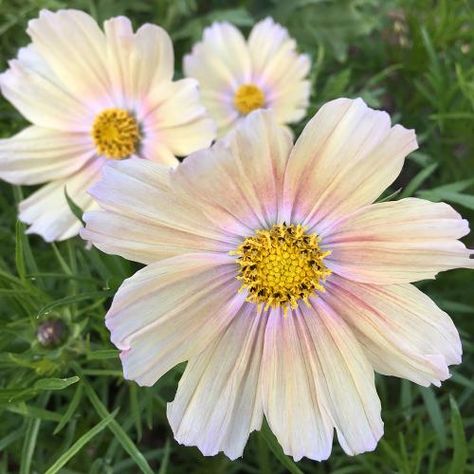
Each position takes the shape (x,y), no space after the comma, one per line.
(402,331)
(345,158)
(36,155)
(221,63)
(217,403)
(221,108)
(147,218)
(152,149)
(73,46)
(344,377)
(152,59)
(170,311)
(42,101)
(240,179)
(174,117)
(221,59)
(290,103)
(279,70)
(47,210)
(293,402)
(120,43)
(398,242)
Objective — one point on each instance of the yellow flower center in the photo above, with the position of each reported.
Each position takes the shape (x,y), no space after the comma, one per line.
(116,133)
(281,265)
(247,98)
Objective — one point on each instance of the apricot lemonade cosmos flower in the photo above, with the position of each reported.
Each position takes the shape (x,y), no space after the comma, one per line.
(273,273)
(93,96)
(237,76)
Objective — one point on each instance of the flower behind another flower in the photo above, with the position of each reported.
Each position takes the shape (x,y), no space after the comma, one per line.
(238,76)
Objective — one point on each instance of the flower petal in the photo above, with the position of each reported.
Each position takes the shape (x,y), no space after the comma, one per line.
(221,63)
(398,242)
(240,178)
(174,117)
(73,45)
(152,59)
(42,101)
(48,211)
(344,377)
(401,330)
(217,403)
(137,62)
(147,218)
(279,70)
(344,159)
(120,45)
(292,400)
(162,308)
(221,60)
(36,155)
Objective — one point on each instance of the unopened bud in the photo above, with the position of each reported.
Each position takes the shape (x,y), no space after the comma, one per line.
(51,333)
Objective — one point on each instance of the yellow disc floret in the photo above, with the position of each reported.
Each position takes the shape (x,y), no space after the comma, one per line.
(281,265)
(248,97)
(116,133)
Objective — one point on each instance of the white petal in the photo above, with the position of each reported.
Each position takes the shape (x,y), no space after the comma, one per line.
(36,155)
(221,63)
(279,70)
(152,59)
(401,330)
(42,101)
(398,242)
(170,311)
(146,217)
(47,210)
(241,180)
(345,378)
(32,59)
(120,46)
(176,119)
(217,403)
(220,59)
(344,159)
(293,403)
(73,45)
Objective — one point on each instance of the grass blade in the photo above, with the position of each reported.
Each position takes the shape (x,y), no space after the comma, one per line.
(278,451)
(29,445)
(80,443)
(118,431)
(458,463)
(71,409)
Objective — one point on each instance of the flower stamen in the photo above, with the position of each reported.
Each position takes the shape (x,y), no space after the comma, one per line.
(248,97)
(281,265)
(116,134)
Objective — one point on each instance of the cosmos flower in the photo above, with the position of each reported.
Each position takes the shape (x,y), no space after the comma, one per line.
(237,76)
(271,270)
(92,96)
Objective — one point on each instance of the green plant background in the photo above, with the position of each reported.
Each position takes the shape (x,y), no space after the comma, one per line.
(67,409)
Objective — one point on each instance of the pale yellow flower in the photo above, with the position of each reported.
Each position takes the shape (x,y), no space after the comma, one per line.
(92,96)
(237,76)
(271,270)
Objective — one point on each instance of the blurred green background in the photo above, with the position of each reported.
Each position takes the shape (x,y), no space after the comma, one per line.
(66,406)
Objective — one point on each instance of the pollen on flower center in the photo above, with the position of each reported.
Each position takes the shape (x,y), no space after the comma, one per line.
(116,133)
(281,265)
(248,97)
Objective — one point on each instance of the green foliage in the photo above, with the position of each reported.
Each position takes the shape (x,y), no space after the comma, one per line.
(66,408)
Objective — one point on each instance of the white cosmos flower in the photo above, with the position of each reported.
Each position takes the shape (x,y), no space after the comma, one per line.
(93,95)
(271,270)
(237,76)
